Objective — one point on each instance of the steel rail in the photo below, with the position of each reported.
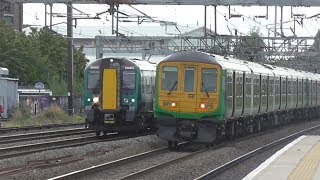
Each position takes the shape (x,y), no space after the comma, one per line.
(115,163)
(25,128)
(112,164)
(42,135)
(16,151)
(140,173)
(225,167)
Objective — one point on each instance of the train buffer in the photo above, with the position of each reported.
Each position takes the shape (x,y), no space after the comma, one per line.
(300,159)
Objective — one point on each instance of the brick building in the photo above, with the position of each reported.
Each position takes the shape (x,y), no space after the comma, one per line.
(12,14)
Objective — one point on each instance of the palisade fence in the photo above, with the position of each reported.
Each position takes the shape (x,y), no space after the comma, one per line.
(37,104)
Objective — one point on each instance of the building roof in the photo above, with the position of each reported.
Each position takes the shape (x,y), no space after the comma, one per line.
(4,71)
(199,32)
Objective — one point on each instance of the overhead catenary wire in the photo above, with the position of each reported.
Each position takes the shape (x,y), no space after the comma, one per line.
(266,26)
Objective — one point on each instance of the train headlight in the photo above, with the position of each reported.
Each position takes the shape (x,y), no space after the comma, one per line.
(206,106)
(88,99)
(133,100)
(169,104)
(95,99)
(125,100)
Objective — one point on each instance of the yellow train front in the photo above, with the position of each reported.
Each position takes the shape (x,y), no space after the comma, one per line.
(187,103)
(119,95)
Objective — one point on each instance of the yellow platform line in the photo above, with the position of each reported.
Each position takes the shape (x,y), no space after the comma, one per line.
(308,165)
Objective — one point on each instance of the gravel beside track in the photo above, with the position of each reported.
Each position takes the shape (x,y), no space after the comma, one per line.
(211,159)
(103,152)
(86,156)
(239,172)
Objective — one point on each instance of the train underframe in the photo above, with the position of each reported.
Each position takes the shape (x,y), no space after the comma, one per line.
(122,121)
(205,131)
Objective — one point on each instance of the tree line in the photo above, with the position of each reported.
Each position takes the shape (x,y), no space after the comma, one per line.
(40,56)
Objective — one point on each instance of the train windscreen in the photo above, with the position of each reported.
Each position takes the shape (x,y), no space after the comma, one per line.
(209,80)
(128,79)
(169,78)
(93,80)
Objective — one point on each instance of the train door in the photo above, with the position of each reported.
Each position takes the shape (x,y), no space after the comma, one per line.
(109,90)
(188,95)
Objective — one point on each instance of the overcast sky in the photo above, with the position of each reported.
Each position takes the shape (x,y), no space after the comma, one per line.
(190,16)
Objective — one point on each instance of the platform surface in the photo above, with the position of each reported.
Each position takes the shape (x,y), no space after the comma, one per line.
(299,160)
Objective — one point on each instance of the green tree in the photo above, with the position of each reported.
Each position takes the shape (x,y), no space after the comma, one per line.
(40,56)
(21,55)
(250,47)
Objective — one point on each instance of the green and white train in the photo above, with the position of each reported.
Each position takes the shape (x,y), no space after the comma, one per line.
(119,95)
(205,97)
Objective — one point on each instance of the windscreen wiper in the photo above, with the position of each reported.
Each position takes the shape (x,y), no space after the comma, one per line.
(205,89)
(173,86)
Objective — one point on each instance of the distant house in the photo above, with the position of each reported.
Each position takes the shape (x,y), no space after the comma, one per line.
(199,32)
(8,92)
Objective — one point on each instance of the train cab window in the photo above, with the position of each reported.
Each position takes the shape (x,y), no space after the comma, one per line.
(209,80)
(128,79)
(189,79)
(169,78)
(93,79)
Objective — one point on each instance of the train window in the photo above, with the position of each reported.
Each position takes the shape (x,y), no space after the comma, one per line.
(256,86)
(128,79)
(93,79)
(289,87)
(189,79)
(169,78)
(264,86)
(209,80)
(248,86)
(300,87)
(277,87)
(283,88)
(271,86)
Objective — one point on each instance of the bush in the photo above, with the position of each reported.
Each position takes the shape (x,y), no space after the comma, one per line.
(52,115)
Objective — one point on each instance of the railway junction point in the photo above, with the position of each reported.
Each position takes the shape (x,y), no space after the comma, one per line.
(300,159)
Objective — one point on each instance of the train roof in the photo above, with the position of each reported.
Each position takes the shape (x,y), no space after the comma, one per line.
(277,70)
(311,75)
(144,64)
(192,56)
(141,64)
(233,64)
(229,63)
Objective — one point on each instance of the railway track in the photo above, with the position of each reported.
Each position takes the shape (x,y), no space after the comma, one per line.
(42,135)
(15,151)
(27,128)
(114,166)
(225,167)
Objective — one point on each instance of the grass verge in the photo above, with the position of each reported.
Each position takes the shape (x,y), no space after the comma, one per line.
(52,115)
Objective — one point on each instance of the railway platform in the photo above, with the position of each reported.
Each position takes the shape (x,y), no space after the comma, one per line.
(300,159)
